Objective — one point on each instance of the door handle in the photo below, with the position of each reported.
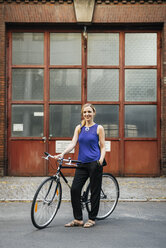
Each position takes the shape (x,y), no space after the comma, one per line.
(44,139)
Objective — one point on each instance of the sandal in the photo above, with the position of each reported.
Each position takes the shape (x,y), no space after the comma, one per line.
(89,223)
(74,223)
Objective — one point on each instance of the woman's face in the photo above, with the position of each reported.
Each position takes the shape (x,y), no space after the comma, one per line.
(88,114)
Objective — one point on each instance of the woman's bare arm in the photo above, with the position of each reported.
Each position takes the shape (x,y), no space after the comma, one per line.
(101,134)
(71,145)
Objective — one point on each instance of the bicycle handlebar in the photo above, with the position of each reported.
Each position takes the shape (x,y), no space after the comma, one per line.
(69,160)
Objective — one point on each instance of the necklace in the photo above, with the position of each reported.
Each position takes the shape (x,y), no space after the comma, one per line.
(88,128)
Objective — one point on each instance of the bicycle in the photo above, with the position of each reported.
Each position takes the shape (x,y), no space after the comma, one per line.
(48,196)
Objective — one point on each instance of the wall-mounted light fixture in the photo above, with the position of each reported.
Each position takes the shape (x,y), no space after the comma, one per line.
(84,11)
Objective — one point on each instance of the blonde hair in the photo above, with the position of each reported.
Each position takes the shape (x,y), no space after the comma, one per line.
(82,112)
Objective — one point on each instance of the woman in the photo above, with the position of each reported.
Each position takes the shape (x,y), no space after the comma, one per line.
(89,135)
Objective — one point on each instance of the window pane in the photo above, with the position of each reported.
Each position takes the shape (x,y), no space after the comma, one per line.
(27,84)
(65,84)
(103,49)
(140,85)
(103,85)
(140,121)
(65,49)
(141,49)
(27,120)
(27,48)
(63,120)
(108,117)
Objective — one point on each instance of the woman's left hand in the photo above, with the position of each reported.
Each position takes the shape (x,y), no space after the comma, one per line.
(100,161)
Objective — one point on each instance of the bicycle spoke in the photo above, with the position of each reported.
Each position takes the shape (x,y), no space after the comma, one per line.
(47,198)
(46,203)
(108,197)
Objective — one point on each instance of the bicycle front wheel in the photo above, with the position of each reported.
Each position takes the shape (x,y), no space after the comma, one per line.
(108,196)
(46,202)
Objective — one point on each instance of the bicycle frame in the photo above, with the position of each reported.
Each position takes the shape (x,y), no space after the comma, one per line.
(70,166)
(59,173)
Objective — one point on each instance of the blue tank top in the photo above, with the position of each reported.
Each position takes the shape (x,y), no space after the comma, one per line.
(89,149)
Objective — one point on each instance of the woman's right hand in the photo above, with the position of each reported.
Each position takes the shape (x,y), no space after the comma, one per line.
(59,156)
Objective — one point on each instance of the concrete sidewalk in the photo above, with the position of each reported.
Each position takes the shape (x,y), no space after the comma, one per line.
(131,188)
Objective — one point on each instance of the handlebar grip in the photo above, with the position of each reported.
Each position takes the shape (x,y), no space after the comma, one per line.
(46,153)
(76,161)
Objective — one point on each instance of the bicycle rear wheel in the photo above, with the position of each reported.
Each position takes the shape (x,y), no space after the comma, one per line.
(46,202)
(108,197)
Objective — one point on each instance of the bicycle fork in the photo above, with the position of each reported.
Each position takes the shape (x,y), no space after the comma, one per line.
(55,192)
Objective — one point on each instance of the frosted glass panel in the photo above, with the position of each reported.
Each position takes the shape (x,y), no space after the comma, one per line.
(140,121)
(141,49)
(27,120)
(103,49)
(141,85)
(27,84)
(65,49)
(65,84)
(103,85)
(63,120)
(27,48)
(108,117)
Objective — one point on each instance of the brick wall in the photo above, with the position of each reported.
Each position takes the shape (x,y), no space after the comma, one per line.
(129,13)
(62,13)
(40,13)
(2,92)
(37,12)
(163,105)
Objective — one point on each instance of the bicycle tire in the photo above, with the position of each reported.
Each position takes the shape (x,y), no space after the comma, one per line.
(46,202)
(108,197)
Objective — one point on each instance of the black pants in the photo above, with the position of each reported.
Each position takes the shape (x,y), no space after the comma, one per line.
(94,171)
